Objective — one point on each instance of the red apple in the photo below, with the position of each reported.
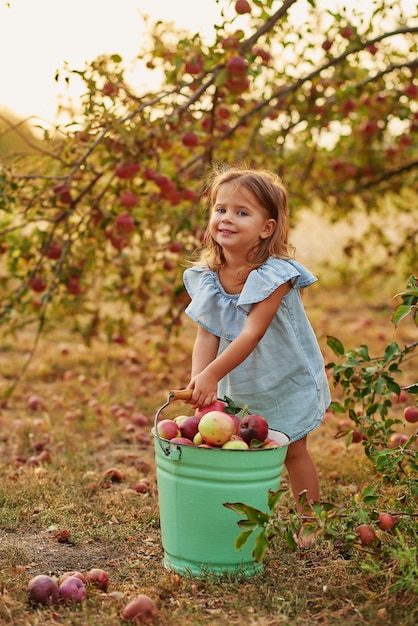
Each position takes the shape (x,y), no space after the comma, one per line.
(218,405)
(402,397)
(242,6)
(53,252)
(141,610)
(386,521)
(366,534)
(125,224)
(411,414)
(72,589)
(73,286)
(236,65)
(184,441)
(253,427)
(128,199)
(397,439)
(190,139)
(216,427)
(98,577)
(357,436)
(42,589)
(74,573)
(194,65)
(126,171)
(190,426)
(37,284)
(168,429)
(270,443)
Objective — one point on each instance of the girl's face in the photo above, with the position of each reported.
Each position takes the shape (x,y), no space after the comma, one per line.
(238,222)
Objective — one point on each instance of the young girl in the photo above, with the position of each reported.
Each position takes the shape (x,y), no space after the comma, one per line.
(254,342)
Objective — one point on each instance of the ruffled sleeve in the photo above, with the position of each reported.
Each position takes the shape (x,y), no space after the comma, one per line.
(211,307)
(224,314)
(268,277)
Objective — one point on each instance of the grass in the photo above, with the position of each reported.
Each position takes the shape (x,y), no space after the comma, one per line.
(87,426)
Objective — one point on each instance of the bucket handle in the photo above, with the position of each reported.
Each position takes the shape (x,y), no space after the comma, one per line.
(174,394)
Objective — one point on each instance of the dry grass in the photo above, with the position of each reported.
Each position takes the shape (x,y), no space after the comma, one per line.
(87,427)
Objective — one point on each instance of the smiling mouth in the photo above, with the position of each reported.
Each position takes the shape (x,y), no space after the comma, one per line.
(225,231)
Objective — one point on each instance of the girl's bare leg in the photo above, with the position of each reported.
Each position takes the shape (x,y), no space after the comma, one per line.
(303,476)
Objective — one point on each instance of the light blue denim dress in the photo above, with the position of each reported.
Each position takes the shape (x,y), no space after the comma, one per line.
(284,377)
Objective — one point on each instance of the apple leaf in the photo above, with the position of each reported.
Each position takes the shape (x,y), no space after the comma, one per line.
(242,539)
(412,388)
(238,507)
(290,540)
(335,345)
(274,497)
(261,544)
(246,523)
(231,408)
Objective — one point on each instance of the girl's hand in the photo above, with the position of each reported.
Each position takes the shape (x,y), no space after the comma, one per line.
(205,390)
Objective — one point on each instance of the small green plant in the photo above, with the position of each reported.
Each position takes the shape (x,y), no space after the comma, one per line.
(364,522)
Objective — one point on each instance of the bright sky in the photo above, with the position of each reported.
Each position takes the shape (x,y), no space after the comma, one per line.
(38,36)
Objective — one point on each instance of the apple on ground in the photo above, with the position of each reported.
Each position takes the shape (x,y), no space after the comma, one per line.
(366,534)
(386,521)
(168,429)
(216,427)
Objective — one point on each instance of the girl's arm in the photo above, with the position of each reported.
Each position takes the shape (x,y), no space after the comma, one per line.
(205,381)
(205,350)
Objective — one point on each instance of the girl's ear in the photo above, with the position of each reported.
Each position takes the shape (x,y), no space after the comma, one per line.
(268,229)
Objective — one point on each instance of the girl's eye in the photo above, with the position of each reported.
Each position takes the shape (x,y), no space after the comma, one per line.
(242,213)
(220,209)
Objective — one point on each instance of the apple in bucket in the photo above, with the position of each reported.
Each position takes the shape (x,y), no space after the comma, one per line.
(216,427)
(253,427)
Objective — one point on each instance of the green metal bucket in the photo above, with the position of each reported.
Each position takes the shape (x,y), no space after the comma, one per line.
(197,531)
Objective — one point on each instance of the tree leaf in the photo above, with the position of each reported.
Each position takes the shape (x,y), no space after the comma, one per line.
(335,345)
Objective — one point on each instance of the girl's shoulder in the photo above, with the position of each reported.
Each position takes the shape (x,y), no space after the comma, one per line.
(287,269)
(197,276)
(264,280)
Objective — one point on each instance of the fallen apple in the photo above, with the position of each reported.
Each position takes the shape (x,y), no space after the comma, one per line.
(98,577)
(72,590)
(386,521)
(366,534)
(216,427)
(42,589)
(74,573)
(141,609)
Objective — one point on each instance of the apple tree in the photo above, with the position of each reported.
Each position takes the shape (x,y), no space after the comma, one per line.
(97,220)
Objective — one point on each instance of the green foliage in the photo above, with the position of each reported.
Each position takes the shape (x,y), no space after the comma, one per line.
(368,386)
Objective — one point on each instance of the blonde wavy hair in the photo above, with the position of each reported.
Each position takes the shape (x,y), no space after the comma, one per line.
(271,194)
